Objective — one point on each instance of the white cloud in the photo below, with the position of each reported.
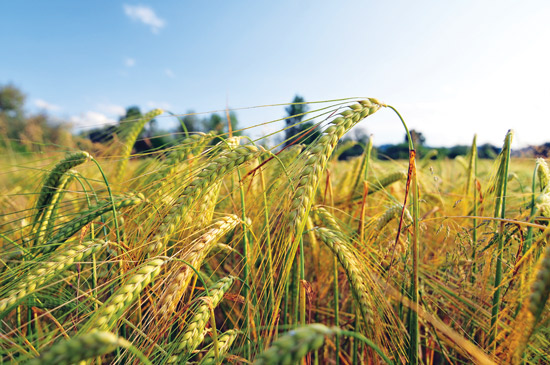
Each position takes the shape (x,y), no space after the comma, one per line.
(111,109)
(146,15)
(158,104)
(129,62)
(42,104)
(90,119)
(169,73)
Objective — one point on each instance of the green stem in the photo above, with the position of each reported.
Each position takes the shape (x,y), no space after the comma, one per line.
(500,209)
(336,308)
(110,197)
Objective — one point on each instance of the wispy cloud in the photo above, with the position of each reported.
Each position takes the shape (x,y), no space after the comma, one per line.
(169,73)
(145,15)
(90,119)
(42,104)
(158,104)
(129,62)
(111,109)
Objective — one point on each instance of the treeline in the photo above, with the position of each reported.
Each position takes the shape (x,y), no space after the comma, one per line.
(21,131)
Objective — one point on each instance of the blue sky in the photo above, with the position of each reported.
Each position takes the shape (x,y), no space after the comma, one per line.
(453,68)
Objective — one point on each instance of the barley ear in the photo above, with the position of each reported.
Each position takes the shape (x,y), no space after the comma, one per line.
(53,180)
(46,271)
(125,295)
(224,344)
(130,136)
(295,345)
(194,332)
(76,224)
(199,248)
(79,348)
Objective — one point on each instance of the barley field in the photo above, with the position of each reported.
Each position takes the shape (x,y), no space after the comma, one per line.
(223,249)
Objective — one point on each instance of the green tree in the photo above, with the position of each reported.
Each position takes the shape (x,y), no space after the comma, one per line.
(188,124)
(299,131)
(417,138)
(12,115)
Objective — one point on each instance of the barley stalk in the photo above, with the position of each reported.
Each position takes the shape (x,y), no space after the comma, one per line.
(45,271)
(500,210)
(327,218)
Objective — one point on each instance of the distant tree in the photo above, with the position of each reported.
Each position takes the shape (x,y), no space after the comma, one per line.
(361,138)
(487,150)
(105,134)
(28,132)
(297,130)
(12,100)
(215,123)
(394,151)
(132,112)
(189,123)
(458,151)
(417,138)
(12,115)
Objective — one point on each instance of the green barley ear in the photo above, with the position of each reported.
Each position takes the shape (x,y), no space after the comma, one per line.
(225,341)
(353,268)
(500,187)
(295,345)
(210,175)
(543,173)
(78,349)
(130,135)
(315,164)
(194,332)
(392,212)
(76,224)
(380,184)
(54,179)
(194,256)
(47,222)
(125,295)
(192,145)
(46,271)
(540,289)
(542,202)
